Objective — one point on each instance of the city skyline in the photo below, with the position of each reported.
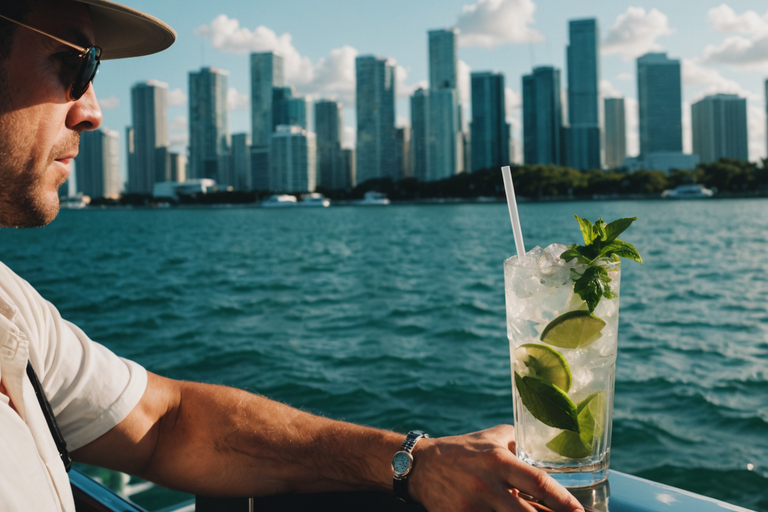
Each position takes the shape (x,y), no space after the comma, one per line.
(318,58)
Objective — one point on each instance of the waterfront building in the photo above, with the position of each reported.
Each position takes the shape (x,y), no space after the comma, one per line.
(178,167)
(403,148)
(348,164)
(293,160)
(419,161)
(209,139)
(375,107)
(329,126)
(582,142)
(287,108)
(615,133)
(542,117)
(148,144)
(444,133)
(719,128)
(97,165)
(240,176)
(266,74)
(489,128)
(659,104)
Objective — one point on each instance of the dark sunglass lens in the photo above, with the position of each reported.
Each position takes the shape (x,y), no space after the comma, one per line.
(87,72)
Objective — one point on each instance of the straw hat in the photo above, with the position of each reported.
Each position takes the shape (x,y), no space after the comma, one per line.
(125,32)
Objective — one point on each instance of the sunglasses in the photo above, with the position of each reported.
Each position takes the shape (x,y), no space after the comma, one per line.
(83,66)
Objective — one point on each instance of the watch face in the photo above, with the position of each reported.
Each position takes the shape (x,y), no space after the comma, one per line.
(401,463)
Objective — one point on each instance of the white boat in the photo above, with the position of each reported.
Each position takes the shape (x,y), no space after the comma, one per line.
(688,191)
(279,201)
(373,198)
(314,199)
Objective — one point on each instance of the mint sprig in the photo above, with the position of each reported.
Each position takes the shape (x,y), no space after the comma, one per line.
(600,241)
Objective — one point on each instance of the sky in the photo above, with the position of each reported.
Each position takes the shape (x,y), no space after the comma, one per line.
(723,48)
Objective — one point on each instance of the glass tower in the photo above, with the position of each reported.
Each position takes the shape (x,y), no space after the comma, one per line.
(542,117)
(148,161)
(489,128)
(329,127)
(583,135)
(659,104)
(97,165)
(719,128)
(375,106)
(209,140)
(615,133)
(444,142)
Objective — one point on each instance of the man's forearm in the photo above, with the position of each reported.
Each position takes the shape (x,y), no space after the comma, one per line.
(218,441)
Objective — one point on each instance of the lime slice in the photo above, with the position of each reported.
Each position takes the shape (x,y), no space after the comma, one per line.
(591,418)
(547,403)
(545,362)
(574,329)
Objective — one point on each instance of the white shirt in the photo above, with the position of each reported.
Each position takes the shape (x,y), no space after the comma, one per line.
(90,389)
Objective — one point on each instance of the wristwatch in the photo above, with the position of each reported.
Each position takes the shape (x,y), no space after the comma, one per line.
(402,464)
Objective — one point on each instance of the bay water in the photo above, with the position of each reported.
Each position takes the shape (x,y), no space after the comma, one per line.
(394,316)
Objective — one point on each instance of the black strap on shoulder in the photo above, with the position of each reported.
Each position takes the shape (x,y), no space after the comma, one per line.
(50,419)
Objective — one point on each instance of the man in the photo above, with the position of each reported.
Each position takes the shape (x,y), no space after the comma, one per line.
(198,438)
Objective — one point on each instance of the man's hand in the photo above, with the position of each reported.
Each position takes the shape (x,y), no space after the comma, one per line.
(480,472)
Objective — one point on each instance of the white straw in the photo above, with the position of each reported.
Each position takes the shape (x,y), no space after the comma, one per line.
(513,216)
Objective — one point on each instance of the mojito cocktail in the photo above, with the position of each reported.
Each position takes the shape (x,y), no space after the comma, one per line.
(562,324)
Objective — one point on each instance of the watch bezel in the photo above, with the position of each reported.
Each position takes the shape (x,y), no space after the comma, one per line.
(400,475)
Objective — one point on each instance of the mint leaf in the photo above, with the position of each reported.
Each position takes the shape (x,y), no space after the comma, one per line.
(547,403)
(592,285)
(587,231)
(617,227)
(622,249)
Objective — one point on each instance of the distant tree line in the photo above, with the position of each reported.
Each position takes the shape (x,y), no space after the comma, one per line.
(728,177)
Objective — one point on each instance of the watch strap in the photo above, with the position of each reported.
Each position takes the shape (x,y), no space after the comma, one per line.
(400,485)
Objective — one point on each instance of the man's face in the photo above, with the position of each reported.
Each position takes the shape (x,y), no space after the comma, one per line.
(39,127)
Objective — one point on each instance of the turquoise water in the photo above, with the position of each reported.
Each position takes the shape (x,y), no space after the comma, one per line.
(394,316)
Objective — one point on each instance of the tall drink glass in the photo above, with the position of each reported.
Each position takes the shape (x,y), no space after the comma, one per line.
(563,361)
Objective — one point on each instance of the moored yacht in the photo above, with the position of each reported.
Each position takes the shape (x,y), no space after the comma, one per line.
(314,199)
(373,198)
(688,191)
(279,201)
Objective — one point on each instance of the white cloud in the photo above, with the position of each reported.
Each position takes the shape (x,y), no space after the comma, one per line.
(625,77)
(179,124)
(402,89)
(694,74)
(607,90)
(332,76)
(464,80)
(490,23)
(739,51)
(634,33)
(350,137)
(724,19)
(236,100)
(110,103)
(177,98)
(756,130)
(513,101)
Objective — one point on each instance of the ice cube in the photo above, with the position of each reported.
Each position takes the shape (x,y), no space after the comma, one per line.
(550,261)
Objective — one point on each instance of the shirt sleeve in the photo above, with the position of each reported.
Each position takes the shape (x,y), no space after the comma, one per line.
(91,390)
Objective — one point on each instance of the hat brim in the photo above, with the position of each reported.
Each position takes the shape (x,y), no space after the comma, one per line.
(123,32)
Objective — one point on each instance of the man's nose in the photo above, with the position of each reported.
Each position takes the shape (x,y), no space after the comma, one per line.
(85,113)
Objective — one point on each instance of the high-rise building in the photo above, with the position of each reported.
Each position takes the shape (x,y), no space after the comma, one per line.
(719,128)
(148,158)
(419,161)
(615,133)
(97,165)
(659,96)
(208,125)
(329,126)
(489,128)
(287,108)
(766,113)
(178,167)
(375,106)
(348,165)
(293,159)
(542,117)
(444,137)
(403,150)
(266,74)
(582,143)
(241,162)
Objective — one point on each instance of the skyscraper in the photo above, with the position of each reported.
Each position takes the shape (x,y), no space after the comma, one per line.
(208,125)
(293,159)
(375,106)
(266,73)
(719,128)
(583,135)
(419,134)
(444,138)
(97,165)
(241,162)
(148,161)
(615,133)
(287,108)
(489,127)
(660,104)
(329,127)
(542,117)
